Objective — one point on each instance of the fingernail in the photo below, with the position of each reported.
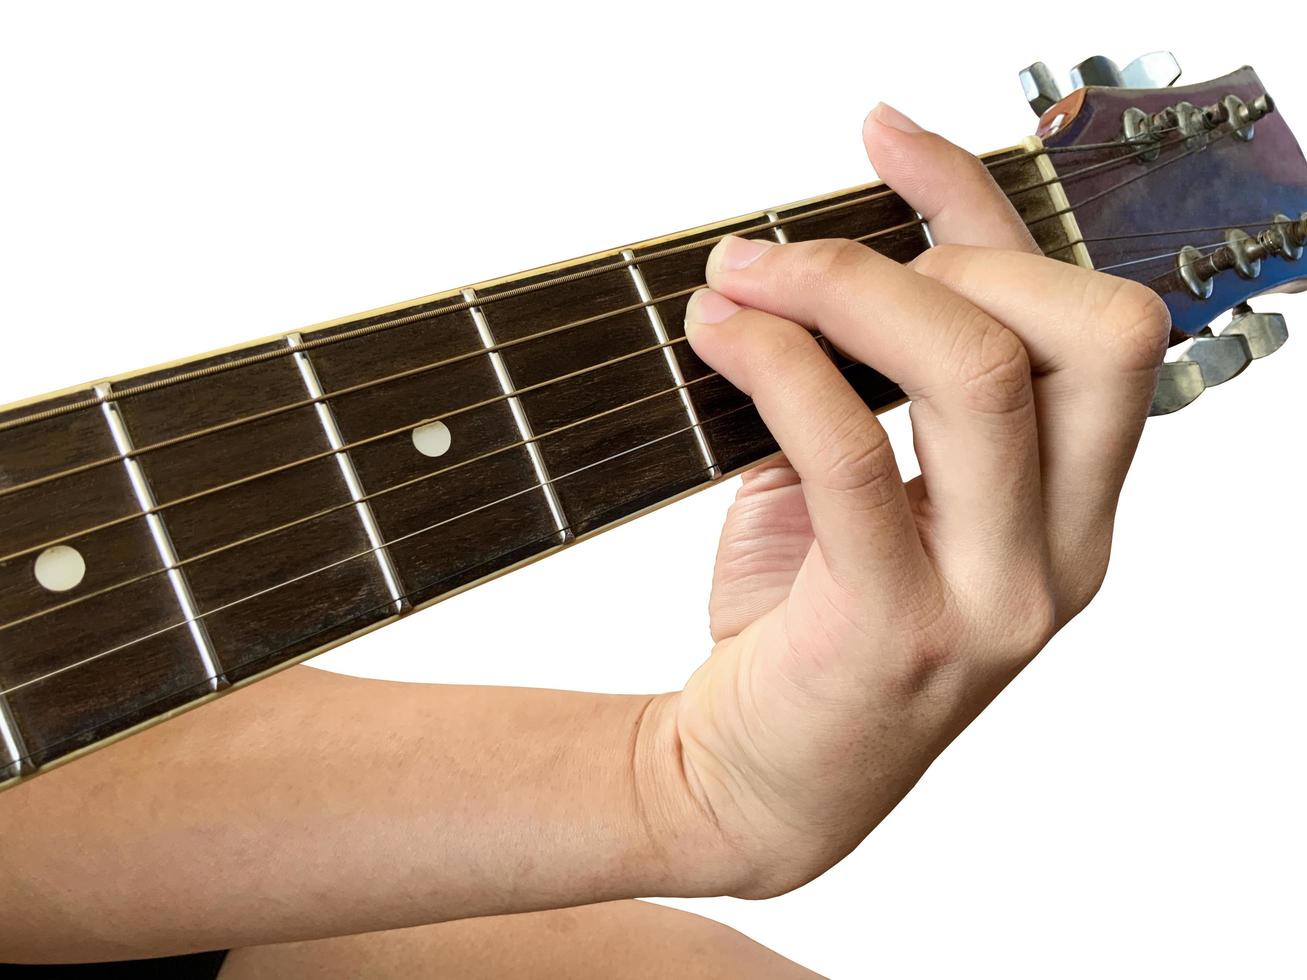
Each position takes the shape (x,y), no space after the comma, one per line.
(887,115)
(732,253)
(708,306)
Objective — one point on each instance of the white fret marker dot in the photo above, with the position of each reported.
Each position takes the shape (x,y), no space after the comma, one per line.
(60,568)
(432,439)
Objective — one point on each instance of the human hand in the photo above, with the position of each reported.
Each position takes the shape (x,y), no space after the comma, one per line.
(860,623)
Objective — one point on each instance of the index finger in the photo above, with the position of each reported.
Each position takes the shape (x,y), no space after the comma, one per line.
(943,183)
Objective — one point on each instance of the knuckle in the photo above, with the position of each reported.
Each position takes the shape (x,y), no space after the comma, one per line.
(861,461)
(832,259)
(931,641)
(1137,325)
(1022,623)
(1036,623)
(993,369)
(1083,580)
(777,345)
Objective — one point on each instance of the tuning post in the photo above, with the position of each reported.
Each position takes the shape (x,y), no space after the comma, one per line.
(1285,237)
(1242,252)
(1192,122)
(1241,115)
(1245,252)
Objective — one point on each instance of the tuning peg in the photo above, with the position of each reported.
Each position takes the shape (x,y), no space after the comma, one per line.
(1157,69)
(1264,333)
(1219,358)
(1212,360)
(1098,70)
(1040,88)
(1180,382)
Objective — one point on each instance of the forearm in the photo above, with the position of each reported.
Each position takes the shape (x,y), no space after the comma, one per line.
(313,805)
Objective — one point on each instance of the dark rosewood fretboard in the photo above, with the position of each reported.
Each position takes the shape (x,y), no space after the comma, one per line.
(237,520)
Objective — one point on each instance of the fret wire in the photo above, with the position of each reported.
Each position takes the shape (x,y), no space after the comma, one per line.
(519,414)
(404,537)
(327,419)
(163,545)
(253,359)
(14,760)
(669,356)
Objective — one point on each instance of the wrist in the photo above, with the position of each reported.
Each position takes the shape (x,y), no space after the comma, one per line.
(692,853)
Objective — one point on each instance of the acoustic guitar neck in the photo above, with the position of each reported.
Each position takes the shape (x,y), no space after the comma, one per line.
(172,534)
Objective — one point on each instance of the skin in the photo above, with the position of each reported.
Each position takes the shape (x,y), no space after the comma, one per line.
(859,624)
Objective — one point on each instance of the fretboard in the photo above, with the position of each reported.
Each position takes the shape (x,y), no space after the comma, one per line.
(174,533)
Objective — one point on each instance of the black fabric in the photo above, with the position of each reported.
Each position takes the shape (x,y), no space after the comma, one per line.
(197,966)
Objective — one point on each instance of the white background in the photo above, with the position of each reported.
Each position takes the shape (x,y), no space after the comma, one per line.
(174,180)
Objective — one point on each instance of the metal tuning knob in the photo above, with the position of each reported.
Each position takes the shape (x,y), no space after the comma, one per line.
(1178,384)
(1209,361)
(1157,69)
(1098,70)
(1212,360)
(1040,88)
(1219,358)
(1264,333)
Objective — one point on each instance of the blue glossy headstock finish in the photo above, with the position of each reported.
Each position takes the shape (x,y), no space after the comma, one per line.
(1207,199)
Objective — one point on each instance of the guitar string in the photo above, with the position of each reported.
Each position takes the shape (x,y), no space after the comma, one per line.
(361,617)
(278,410)
(392,488)
(347,446)
(314,344)
(471,354)
(404,484)
(367,497)
(1269,223)
(356,444)
(531,488)
(1146,172)
(348,504)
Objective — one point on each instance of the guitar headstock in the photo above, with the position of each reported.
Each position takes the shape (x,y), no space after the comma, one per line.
(1199,191)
